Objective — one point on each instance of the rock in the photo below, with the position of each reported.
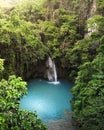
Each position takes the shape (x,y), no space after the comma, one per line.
(61,124)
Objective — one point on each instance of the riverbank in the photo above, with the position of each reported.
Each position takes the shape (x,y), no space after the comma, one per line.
(62,124)
(67,123)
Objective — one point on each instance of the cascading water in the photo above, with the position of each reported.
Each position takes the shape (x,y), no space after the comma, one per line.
(51,71)
(50,102)
(55,73)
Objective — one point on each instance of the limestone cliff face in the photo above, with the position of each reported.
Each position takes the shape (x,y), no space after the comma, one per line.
(92,13)
(93,9)
(40,70)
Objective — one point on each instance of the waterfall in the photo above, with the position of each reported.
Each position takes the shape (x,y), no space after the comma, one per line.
(55,73)
(51,71)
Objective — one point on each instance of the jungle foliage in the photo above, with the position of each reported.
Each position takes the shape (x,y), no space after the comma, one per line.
(11,117)
(88,91)
(29,32)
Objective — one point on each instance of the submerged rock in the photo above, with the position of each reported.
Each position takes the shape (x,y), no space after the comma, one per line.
(61,124)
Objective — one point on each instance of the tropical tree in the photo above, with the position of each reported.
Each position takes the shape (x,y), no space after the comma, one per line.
(11,117)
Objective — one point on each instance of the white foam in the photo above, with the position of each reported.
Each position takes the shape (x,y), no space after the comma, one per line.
(56,82)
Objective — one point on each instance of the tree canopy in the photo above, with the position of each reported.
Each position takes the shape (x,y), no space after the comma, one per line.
(29,33)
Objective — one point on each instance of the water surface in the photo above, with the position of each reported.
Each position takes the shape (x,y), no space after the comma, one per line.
(48,99)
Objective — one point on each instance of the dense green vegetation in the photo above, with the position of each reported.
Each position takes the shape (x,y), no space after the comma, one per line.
(29,33)
(11,118)
(88,91)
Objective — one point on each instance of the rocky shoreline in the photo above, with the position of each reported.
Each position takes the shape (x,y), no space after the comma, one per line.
(67,123)
(61,124)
